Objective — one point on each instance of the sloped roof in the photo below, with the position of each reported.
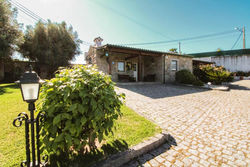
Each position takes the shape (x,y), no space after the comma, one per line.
(222,53)
(141,50)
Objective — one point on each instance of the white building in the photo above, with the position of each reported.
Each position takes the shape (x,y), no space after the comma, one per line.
(232,60)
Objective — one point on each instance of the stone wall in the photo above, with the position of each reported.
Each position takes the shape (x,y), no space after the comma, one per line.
(183,62)
(150,65)
(154,65)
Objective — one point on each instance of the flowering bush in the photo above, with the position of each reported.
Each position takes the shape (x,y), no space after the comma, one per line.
(214,74)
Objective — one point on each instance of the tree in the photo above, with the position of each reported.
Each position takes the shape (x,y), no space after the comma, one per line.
(10,34)
(174,50)
(51,45)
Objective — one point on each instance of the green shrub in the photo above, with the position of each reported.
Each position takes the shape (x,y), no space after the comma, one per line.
(184,76)
(81,105)
(198,83)
(242,73)
(200,74)
(216,75)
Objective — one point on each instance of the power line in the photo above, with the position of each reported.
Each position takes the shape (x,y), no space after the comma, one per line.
(29,11)
(182,39)
(26,11)
(237,40)
(174,44)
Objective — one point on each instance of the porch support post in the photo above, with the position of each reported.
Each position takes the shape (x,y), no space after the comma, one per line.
(108,61)
(139,68)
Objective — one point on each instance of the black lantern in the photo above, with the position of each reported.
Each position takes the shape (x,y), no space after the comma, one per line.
(30,86)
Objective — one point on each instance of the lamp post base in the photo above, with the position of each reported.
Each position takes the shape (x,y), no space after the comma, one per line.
(34,144)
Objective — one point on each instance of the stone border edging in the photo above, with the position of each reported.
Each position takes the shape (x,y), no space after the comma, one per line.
(121,158)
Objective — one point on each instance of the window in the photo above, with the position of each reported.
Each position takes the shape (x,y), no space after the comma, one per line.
(121,66)
(174,65)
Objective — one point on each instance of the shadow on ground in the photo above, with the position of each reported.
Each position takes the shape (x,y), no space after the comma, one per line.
(92,158)
(238,87)
(139,161)
(4,88)
(156,91)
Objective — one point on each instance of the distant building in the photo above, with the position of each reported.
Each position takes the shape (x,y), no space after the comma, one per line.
(232,60)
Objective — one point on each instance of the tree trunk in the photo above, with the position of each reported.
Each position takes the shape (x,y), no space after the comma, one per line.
(1,69)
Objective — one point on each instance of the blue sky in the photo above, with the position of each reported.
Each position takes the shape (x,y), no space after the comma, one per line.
(138,21)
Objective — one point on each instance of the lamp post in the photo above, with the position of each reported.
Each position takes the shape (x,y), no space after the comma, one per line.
(30,86)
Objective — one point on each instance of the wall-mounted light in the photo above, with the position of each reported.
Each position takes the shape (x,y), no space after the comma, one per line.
(106,54)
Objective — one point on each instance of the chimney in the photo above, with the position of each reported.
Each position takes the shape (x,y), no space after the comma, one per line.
(98,41)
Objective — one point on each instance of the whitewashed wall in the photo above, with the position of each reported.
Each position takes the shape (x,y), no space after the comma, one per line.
(233,63)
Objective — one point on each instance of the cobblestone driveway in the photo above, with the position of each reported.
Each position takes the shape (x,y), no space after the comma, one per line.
(210,128)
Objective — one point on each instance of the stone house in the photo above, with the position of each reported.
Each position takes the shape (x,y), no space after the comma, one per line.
(127,64)
(232,60)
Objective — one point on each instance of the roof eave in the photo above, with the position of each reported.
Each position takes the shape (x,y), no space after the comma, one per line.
(143,50)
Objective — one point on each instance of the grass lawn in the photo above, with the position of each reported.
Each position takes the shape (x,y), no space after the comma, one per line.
(131,129)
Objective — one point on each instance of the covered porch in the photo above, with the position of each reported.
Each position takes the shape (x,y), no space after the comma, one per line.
(133,65)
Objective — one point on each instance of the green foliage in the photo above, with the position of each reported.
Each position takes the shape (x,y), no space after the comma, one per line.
(242,73)
(129,130)
(198,82)
(174,50)
(216,75)
(10,34)
(184,76)
(51,45)
(81,105)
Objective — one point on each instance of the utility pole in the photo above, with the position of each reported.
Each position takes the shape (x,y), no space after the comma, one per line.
(244,39)
(179,47)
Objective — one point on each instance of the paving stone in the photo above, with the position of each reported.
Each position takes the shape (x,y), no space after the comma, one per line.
(208,127)
(224,165)
(153,162)
(227,152)
(240,163)
(187,161)
(167,163)
(204,163)
(194,158)
(196,164)
(146,165)
(159,159)
(212,161)
(194,152)
(203,156)
(170,158)
(178,163)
